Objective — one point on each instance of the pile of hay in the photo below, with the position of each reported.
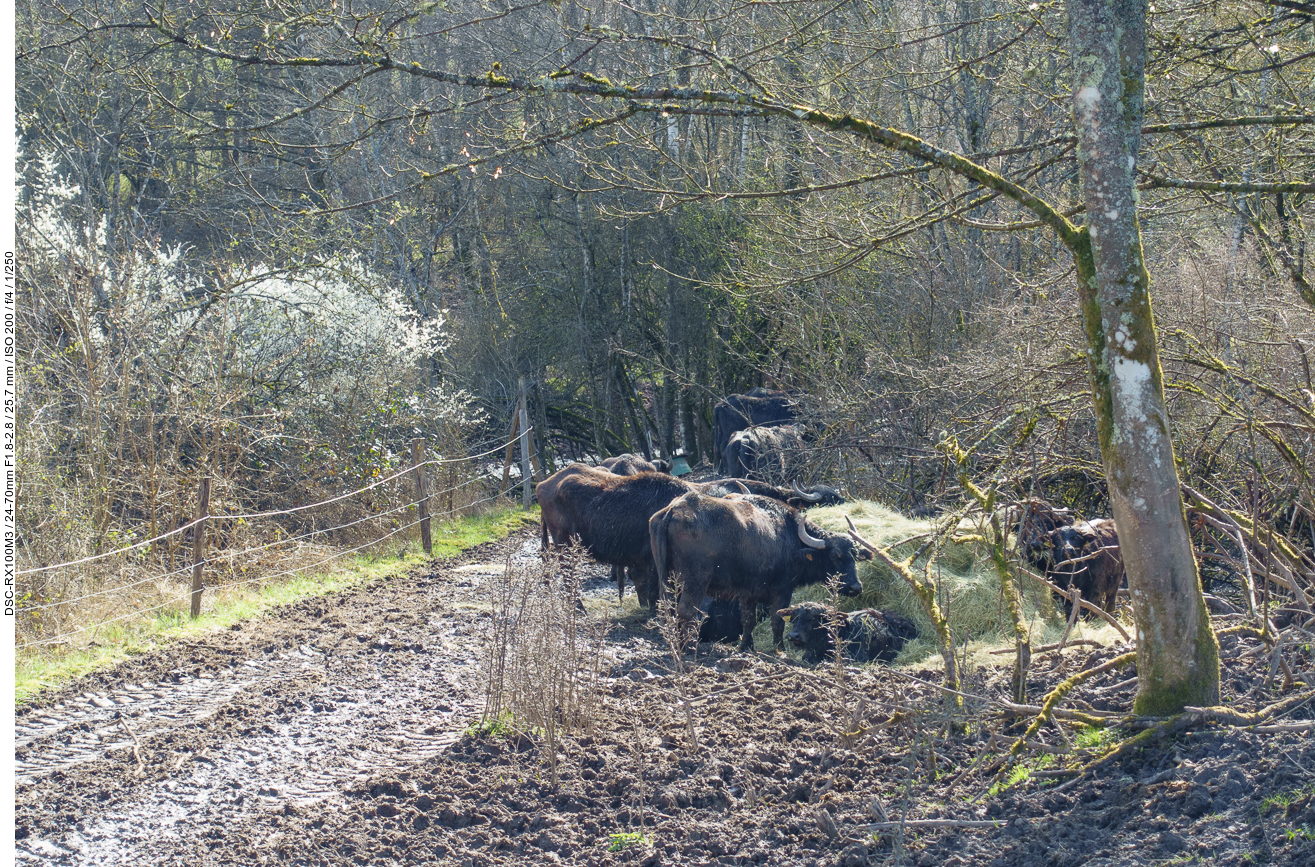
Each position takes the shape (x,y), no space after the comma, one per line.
(969,589)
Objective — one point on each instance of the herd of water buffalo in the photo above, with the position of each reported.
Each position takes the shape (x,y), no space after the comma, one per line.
(735,544)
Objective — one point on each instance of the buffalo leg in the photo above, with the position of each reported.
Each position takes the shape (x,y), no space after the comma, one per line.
(619,576)
(778,622)
(748,620)
(646,586)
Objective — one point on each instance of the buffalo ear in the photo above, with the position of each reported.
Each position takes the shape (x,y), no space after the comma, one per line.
(785,612)
(862,554)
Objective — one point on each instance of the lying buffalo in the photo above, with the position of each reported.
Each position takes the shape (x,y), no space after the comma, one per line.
(747,548)
(866,636)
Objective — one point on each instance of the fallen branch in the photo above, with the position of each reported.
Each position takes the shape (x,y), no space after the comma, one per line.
(1046,648)
(1194,716)
(136,746)
(1097,718)
(1064,688)
(1281,728)
(1228,716)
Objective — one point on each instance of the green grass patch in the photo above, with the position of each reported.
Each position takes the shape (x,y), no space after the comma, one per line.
(1282,800)
(617,842)
(45,668)
(1096,738)
(1021,773)
(500,727)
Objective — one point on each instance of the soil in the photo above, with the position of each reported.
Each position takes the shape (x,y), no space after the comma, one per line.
(339,731)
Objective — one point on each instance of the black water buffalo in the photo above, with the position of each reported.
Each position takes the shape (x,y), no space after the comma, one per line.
(630,464)
(738,411)
(1037,519)
(748,548)
(1073,553)
(1086,555)
(866,636)
(557,515)
(764,452)
(609,514)
(722,620)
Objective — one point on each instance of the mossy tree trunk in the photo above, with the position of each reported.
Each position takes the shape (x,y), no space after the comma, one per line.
(1177,653)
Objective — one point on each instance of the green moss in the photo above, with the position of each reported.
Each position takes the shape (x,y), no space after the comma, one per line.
(1163,698)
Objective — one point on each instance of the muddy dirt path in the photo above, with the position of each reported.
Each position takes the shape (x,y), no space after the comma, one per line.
(333,732)
(282,713)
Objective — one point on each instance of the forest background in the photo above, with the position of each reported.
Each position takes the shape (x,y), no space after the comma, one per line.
(273,242)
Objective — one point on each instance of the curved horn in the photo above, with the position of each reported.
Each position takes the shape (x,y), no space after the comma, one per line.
(805,538)
(744,489)
(807,495)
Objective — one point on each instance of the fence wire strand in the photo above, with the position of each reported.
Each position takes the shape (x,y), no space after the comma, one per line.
(269,514)
(231,556)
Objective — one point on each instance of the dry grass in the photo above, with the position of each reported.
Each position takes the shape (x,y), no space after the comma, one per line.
(543,653)
(968,588)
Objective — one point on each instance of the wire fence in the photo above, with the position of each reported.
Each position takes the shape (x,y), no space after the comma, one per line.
(466,490)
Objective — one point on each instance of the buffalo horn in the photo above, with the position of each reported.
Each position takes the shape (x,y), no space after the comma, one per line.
(807,539)
(739,484)
(810,497)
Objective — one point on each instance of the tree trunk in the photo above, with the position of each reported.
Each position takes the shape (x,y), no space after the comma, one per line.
(1177,653)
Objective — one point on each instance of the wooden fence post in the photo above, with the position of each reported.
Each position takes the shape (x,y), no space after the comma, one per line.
(511,446)
(422,495)
(198,546)
(523,416)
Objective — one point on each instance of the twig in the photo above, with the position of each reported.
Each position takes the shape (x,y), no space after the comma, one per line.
(986,748)
(136,746)
(1046,648)
(1075,597)
(1100,612)
(1115,687)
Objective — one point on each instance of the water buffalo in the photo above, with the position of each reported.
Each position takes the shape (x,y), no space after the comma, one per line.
(764,452)
(1086,555)
(1070,552)
(748,548)
(1036,520)
(557,515)
(609,514)
(866,636)
(739,411)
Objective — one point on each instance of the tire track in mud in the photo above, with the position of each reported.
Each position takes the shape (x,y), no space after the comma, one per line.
(148,770)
